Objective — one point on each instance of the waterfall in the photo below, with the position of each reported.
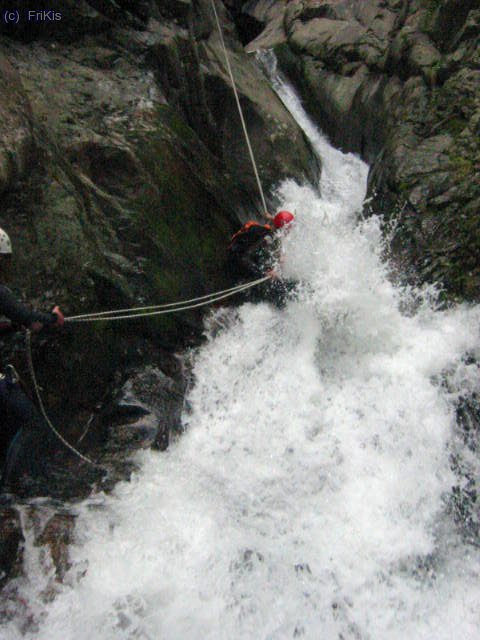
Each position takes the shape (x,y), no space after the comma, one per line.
(309,495)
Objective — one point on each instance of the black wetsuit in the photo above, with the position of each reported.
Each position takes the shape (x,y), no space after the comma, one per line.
(252,253)
(21,427)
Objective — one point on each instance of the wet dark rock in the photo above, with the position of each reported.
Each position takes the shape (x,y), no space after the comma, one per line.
(269,14)
(248,25)
(146,410)
(465,509)
(55,538)
(11,541)
(468,418)
(462,503)
(177,10)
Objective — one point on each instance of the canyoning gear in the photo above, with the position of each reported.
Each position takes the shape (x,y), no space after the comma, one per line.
(24,432)
(5,244)
(251,225)
(249,254)
(282,219)
(253,252)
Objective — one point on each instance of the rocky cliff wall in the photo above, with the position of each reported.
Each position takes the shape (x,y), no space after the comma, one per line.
(398,82)
(123,172)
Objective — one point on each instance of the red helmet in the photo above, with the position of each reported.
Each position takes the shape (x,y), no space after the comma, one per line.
(283,218)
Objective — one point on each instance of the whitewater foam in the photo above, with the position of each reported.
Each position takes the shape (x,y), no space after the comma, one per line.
(308,496)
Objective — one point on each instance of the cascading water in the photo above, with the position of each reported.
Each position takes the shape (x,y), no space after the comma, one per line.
(309,494)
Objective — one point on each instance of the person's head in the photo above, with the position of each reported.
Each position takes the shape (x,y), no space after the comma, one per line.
(283,219)
(5,251)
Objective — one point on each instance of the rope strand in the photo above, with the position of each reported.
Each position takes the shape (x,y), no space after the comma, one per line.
(186,307)
(170,305)
(245,131)
(28,341)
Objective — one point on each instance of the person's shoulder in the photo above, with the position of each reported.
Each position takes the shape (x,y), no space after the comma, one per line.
(260,230)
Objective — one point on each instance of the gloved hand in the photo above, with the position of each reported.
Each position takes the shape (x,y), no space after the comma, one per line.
(60,317)
(273,274)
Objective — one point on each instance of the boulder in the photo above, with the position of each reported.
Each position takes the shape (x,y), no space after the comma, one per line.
(145,411)
(270,15)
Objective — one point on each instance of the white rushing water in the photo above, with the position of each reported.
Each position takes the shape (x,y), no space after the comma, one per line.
(307,497)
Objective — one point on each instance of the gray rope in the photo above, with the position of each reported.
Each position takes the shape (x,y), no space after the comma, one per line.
(42,408)
(245,131)
(170,305)
(158,310)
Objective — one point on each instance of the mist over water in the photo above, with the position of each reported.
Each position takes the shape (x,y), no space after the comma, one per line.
(308,496)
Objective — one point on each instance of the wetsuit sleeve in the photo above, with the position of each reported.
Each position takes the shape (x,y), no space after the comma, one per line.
(19,313)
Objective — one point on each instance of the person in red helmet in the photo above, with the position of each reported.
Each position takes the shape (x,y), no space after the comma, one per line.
(253,252)
(282,219)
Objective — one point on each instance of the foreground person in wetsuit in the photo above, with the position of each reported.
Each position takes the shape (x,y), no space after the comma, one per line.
(22,429)
(254,252)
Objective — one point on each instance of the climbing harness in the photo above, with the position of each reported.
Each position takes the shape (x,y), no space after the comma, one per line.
(237,99)
(28,344)
(161,309)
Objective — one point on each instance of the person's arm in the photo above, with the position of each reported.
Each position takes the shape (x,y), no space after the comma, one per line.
(20,314)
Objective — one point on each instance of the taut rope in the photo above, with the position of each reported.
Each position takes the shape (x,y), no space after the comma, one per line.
(245,131)
(161,309)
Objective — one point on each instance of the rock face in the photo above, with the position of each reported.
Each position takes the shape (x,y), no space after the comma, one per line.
(16,136)
(11,548)
(398,82)
(123,173)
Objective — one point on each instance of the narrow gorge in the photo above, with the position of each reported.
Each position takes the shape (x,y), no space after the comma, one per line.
(123,175)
